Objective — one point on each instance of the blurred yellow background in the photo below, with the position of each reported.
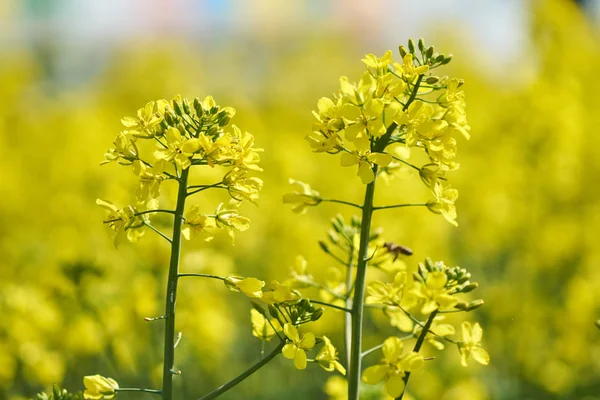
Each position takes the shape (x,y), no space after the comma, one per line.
(529,209)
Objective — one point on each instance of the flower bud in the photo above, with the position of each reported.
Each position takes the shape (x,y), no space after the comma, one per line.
(464,276)
(429,52)
(417,277)
(474,304)
(446,60)
(177,107)
(273,311)
(429,264)
(432,80)
(223,118)
(186,106)
(198,107)
(402,51)
(421,45)
(170,117)
(318,313)
(470,287)
(411,46)
(422,271)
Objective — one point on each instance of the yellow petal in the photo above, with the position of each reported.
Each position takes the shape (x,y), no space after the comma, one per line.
(480,355)
(308,342)
(381,159)
(477,333)
(394,386)
(375,374)
(289,351)
(365,172)
(392,348)
(349,159)
(412,362)
(291,332)
(300,359)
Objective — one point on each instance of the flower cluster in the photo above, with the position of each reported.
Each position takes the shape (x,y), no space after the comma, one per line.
(280,309)
(433,291)
(161,143)
(397,104)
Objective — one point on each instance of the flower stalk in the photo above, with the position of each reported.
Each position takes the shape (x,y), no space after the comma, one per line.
(171,296)
(354,367)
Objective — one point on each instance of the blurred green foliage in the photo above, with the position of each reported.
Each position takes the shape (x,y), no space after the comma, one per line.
(529,214)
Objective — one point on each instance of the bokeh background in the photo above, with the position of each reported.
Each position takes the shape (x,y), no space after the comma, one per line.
(529,208)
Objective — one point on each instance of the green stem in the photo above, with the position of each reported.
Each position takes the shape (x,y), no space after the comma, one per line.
(354,367)
(171,296)
(202,276)
(341,202)
(222,389)
(200,188)
(168,239)
(406,162)
(398,206)
(154,211)
(348,300)
(330,305)
(417,347)
(153,391)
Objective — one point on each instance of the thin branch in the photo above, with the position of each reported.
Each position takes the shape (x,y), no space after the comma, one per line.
(200,188)
(405,162)
(341,202)
(399,206)
(168,239)
(330,305)
(155,211)
(222,389)
(417,348)
(183,275)
(153,391)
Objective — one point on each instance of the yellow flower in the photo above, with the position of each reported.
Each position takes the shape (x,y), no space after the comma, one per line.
(230,220)
(241,186)
(179,149)
(297,344)
(196,224)
(304,197)
(328,357)
(393,366)
(261,328)
(124,149)
(98,387)
(149,184)
(434,292)
(336,388)
(245,155)
(443,203)
(470,346)
(123,222)
(436,331)
(147,120)
(279,293)
(365,159)
(387,293)
(399,319)
(415,120)
(408,70)
(378,64)
(251,287)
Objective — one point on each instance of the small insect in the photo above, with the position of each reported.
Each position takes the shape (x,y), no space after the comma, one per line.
(397,249)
